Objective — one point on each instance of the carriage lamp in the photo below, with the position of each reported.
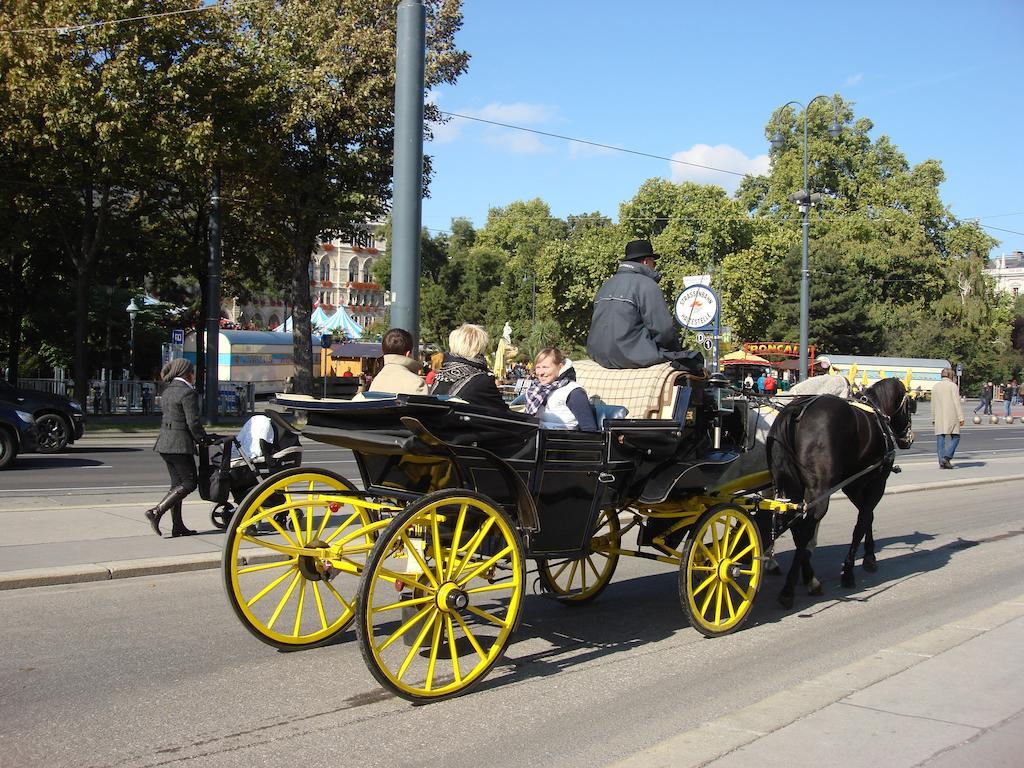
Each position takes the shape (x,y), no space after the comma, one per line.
(804,199)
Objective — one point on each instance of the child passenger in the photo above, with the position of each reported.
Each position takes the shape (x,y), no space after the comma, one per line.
(555,398)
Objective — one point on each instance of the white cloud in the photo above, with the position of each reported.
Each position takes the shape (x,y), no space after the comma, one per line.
(709,162)
(506,139)
(578,149)
(853,80)
(516,142)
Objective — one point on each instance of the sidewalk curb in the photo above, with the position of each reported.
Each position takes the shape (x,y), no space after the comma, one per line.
(717,738)
(151,566)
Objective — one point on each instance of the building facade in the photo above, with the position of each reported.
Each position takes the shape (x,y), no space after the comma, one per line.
(340,275)
(1008,272)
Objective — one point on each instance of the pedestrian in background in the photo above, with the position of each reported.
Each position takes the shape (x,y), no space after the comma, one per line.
(180,432)
(947,417)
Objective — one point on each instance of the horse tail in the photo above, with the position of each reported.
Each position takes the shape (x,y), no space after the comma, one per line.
(781,449)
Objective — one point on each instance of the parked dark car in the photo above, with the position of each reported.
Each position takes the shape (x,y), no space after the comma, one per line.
(17,433)
(59,420)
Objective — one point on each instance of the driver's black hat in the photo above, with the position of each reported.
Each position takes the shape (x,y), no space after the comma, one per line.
(639,249)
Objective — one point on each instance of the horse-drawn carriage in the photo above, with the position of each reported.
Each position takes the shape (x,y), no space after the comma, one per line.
(429,558)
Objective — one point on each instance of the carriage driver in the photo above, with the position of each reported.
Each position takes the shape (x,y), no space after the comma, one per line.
(632,326)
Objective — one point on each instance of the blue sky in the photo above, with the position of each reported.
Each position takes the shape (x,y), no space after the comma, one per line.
(699,81)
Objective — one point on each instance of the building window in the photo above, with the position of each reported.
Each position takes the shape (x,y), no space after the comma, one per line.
(325,269)
(366,271)
(353,270)
(1015,289)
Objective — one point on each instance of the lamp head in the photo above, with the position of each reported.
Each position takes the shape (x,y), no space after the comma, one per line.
(834,129)
(132,309)
(778,140)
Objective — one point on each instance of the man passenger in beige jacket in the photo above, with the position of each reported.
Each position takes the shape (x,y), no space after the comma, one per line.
(400,374)
(947,416)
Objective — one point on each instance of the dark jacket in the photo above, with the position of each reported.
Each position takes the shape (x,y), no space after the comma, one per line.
(180,428)
(632,327)
(469,380)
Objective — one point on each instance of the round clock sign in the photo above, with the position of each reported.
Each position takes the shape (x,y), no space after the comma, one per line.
(696,307)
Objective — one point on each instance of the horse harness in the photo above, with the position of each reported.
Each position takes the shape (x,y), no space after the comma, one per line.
(888,458)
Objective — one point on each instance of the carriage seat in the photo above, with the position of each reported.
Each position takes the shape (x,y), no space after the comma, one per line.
(646,393)
(264,442)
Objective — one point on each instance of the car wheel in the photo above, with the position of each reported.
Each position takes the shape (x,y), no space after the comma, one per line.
(8,448)
(53,433)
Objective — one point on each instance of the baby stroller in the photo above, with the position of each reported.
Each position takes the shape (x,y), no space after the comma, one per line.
(234,466)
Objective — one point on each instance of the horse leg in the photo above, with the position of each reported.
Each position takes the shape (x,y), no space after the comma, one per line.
(870,562)
(811,582)
(865,499)
(802,533)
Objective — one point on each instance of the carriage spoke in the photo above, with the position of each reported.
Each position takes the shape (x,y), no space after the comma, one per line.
(560,571)
(298,609)
(287,594)
(487,616)
(718,603)
(593,567)
(404,604)
(333,591)
(492,587)
(744,551)
(435,644)
(268,566)
(724,546)
(706,583)
(439,563)
(267,589)
(406,626)
(484,566)
(456,539)
(471,637)
(473,545)
(341,528)
(411,549)
(406,578)
(728,600)
(572,573)
(707,553)
(416,645)
(319,605)
(453,650)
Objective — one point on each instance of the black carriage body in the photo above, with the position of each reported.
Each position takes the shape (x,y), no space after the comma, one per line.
(553,483)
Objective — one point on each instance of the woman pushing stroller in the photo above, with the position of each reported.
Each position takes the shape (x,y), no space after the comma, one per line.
(180,432)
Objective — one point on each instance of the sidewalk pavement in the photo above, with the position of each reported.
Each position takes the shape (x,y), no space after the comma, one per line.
(948,698)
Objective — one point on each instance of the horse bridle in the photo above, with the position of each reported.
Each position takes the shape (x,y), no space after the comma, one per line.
(906,438)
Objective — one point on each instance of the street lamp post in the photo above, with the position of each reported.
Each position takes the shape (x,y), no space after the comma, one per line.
(132,309)
(805,199)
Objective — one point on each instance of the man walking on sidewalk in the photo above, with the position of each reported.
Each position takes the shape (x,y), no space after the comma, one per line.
(947,416)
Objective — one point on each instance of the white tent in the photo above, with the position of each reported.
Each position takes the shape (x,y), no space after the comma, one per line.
(342,321)
(285,327)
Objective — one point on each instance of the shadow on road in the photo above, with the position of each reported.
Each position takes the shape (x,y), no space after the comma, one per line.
(41,461)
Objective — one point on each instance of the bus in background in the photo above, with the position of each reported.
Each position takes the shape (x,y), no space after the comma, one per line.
(266,358)
(924,372)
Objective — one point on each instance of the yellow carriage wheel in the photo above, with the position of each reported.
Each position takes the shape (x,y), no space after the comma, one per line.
(295,549)
(721,570)
(441,595)
(576,581)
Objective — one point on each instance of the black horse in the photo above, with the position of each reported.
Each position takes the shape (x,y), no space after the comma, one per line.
(821,443)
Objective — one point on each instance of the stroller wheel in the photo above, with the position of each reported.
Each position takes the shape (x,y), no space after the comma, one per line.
(220,516)
(285,521)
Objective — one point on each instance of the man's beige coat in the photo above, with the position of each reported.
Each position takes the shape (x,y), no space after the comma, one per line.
(946,411)
(399,376)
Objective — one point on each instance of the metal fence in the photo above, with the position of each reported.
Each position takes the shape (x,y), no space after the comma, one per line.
(122,396)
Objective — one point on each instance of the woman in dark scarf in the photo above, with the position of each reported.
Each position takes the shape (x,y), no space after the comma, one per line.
(555,398)
(464,373)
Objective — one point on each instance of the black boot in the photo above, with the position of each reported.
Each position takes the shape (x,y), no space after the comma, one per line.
(177,526)
(167,502)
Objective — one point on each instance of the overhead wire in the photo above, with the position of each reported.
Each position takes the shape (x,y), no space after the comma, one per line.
(71,27)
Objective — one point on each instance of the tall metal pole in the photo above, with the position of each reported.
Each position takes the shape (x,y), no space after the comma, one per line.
(805,272)
(406,215)
(213,294)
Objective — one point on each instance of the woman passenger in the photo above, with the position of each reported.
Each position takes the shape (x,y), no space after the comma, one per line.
(555,398)
(464,372)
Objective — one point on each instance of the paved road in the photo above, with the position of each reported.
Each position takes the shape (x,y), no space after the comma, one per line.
(157,671)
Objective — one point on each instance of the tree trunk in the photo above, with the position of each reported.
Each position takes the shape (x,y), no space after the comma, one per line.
(81,356)
(301,330)
(14,318)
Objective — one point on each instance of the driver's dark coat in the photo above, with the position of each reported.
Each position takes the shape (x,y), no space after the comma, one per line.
(180,427)
(631,327)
